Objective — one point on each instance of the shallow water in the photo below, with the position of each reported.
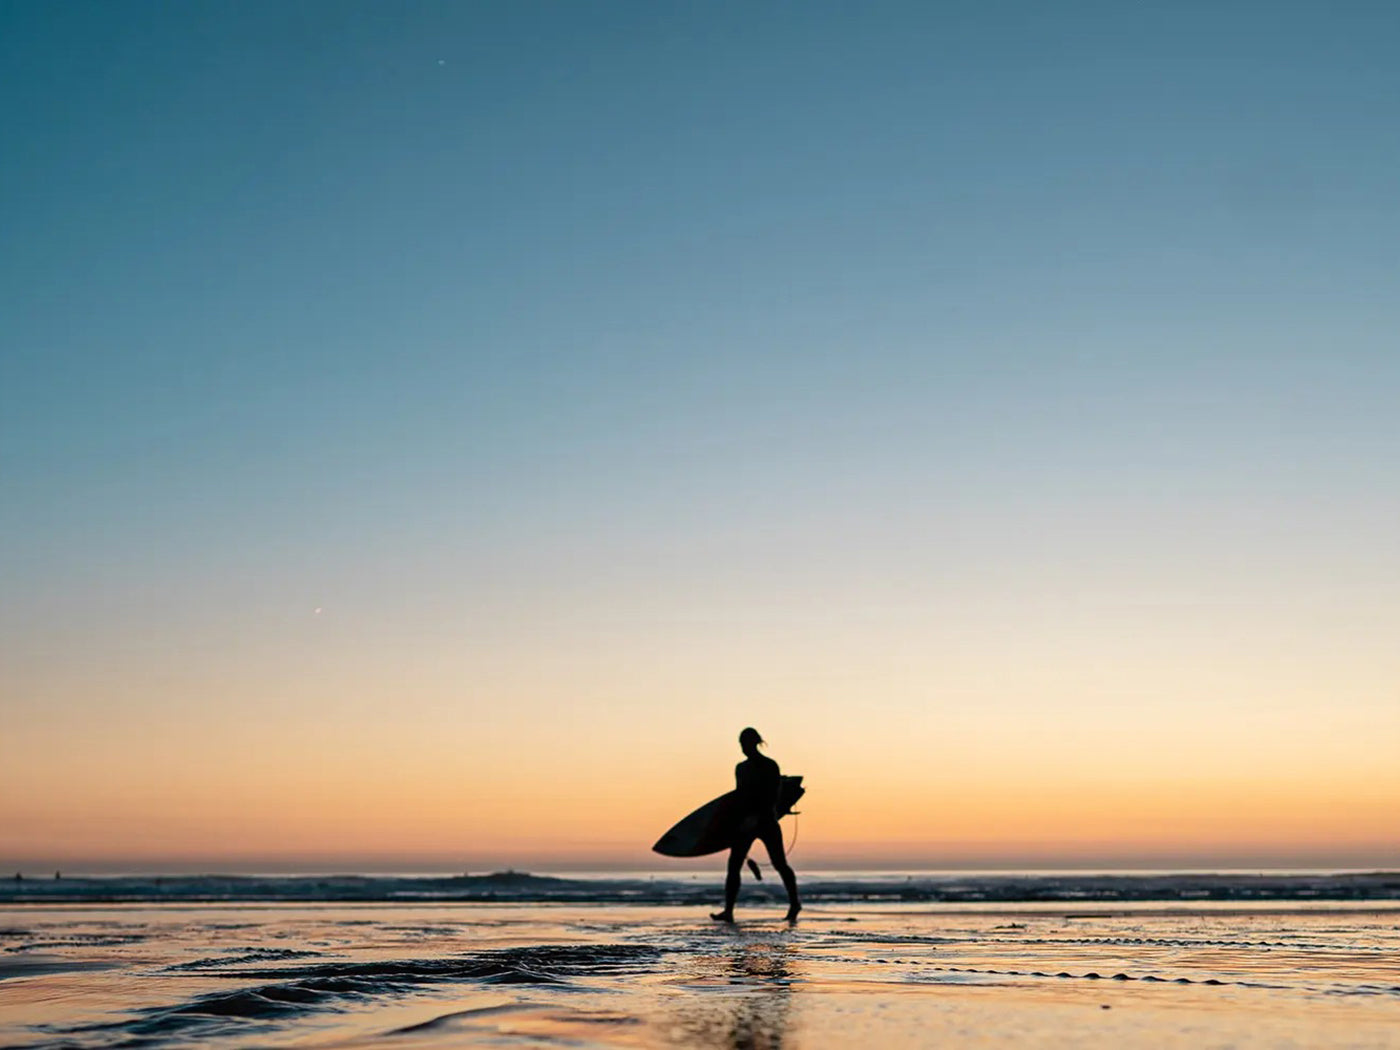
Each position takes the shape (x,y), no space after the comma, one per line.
(439,975)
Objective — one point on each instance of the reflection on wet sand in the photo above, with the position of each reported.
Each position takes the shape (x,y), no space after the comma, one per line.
(747,1001)
(434,977)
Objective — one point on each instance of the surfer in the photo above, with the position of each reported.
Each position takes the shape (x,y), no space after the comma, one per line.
(757,781)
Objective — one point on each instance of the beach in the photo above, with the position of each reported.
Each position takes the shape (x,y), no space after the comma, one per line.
(436,974)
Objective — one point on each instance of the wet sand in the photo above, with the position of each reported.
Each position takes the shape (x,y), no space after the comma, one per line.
(434,976)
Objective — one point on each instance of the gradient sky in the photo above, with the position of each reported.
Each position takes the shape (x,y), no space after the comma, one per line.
(430,432)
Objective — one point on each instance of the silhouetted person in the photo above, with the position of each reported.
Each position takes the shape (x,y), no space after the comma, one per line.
(758,782)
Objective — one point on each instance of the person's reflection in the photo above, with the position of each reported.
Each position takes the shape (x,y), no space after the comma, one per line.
(752,1012)
(761,1017)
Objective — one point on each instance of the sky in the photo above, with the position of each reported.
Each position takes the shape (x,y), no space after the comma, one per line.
(429,433)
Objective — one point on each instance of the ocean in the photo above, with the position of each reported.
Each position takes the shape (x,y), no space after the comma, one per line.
(890,960)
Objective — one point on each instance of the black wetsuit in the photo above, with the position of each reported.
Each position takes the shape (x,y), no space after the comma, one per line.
(758,782)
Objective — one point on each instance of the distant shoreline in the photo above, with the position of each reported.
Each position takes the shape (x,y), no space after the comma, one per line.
(981,890)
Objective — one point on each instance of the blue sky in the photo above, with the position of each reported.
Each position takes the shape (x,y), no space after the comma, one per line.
(482,318)
(243,236)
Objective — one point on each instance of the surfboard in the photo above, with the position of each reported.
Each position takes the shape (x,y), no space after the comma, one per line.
(715,825)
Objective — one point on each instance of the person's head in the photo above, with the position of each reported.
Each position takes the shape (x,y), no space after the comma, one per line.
(749,740)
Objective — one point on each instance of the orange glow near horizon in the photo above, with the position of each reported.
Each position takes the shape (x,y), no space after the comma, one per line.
(409,793)
(964,735)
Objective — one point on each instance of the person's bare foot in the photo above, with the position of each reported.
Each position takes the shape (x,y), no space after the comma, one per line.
(792,913)
(722,916)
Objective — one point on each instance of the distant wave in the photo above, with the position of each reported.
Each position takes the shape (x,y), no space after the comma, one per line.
(520,887)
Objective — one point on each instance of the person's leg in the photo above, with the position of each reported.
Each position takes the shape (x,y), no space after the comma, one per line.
(737,853)
(773,840)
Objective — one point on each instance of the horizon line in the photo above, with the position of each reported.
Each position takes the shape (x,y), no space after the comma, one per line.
(308,868)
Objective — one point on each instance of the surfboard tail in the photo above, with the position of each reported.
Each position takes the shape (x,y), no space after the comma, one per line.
(790,791)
